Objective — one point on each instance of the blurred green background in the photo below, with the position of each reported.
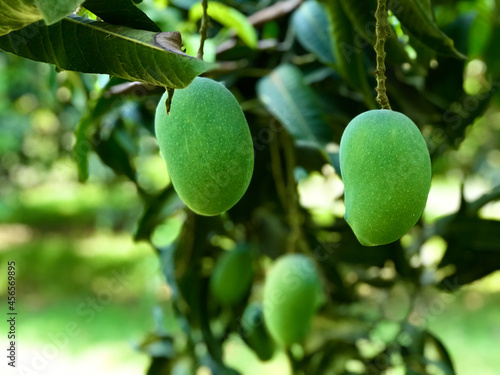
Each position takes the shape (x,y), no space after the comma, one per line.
(77,262)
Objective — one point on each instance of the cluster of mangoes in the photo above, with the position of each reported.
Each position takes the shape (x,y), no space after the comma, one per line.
(291,294)
(207,146)
(208,149)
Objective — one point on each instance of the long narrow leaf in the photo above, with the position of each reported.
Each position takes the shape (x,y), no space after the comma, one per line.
(348,53)
(312,27)
(88,46)
(294,104)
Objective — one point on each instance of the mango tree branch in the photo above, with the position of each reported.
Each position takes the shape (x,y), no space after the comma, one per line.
(382,32)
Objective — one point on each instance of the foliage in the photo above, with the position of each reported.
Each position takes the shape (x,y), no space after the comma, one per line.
(299,89)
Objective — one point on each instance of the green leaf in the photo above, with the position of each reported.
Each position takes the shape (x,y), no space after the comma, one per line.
(491,196)
(122,13)
(294,104)
(228,17)
(446,362)
(82,148)
(361,13)
(88,46)
(112,152)
(349,55)
(156,210)
(84,134)
(16,14)
(473,248)
(417,18)
(446,82)
(312,27)
(55,10)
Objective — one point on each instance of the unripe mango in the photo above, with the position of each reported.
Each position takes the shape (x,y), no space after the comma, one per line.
(254,332)
(386,170)
(290,293)
(232,276)
(207,146)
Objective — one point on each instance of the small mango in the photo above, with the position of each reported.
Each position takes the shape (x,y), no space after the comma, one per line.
(290,298)
(232,276)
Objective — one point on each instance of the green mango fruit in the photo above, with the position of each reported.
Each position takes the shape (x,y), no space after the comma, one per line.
(207,146)
(386,170)
(290,294)
(254,333)
(232,276)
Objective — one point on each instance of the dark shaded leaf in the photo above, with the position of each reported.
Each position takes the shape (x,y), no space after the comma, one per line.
(446,81)
(121,13)
(154,213)
(419,21)
(349,55)
(113,153)
(84,134)
(80,44)
(475,206)
(362,16)
(160,366)
(447,363)
(473,248)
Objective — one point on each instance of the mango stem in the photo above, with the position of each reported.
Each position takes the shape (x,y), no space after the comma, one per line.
(382,33)
(203,28)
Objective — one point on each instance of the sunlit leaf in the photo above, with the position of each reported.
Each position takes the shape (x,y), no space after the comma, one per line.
(15,14)
(55,10)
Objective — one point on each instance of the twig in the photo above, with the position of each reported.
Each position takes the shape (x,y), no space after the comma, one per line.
(277,172)
(294,219)
(135,88)
(492,195)
(382,32)
(275,11)
(203,28)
